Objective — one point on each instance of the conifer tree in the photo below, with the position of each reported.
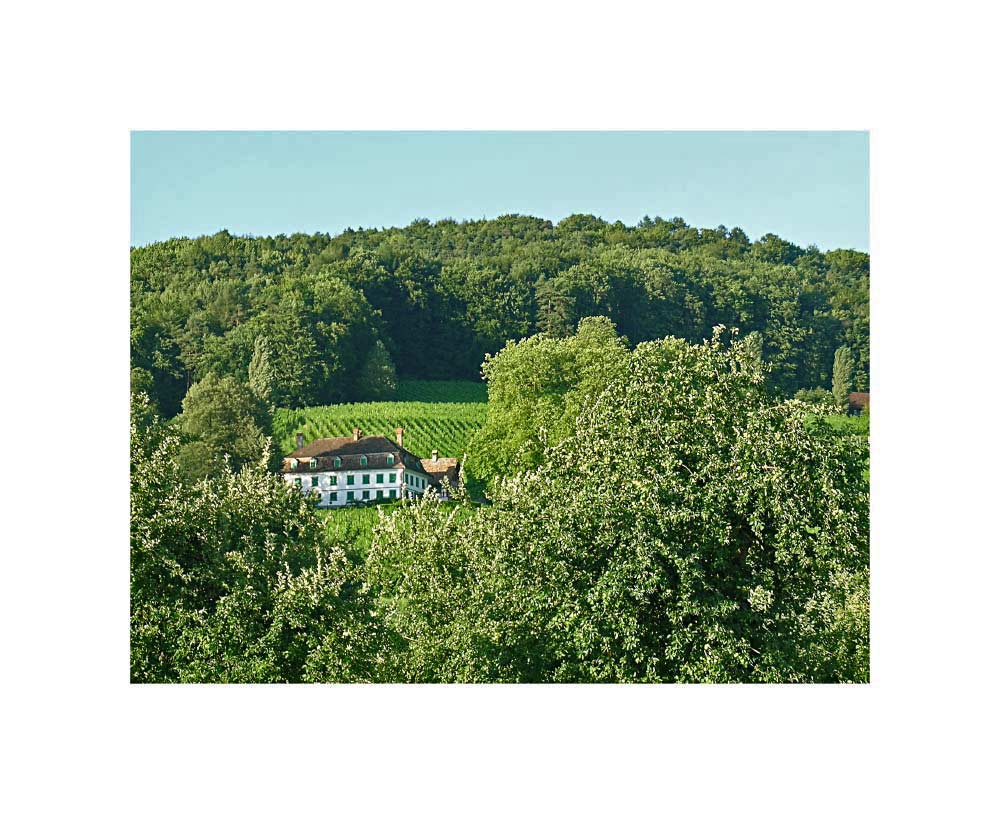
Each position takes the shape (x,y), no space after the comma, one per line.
(843,375)
(261,373)
(377,379)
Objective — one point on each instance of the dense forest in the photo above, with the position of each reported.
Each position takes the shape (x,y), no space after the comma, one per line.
(315,319)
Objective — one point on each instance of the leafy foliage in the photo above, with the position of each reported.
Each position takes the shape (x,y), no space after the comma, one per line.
(536,389)
(222,418)
(303,315)
(659,512)
(231,580)
(691,528)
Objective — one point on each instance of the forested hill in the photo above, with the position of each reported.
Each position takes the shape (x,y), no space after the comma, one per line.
(316,319)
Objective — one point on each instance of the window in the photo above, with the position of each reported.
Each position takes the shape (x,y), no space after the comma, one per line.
(364,460)
(365,495)
(379,478)
(333,497)
(366,478)
(350,480)
(392,494)
(313,463)
(315,481)
(298,483)
(336,462)
(390,459)
(392,477)
(350,497)
(333,480)
(379,494)
(294,463)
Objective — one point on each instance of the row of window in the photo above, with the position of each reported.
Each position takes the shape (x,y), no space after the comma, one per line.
(332,480)
(413,480)
(363,461)
(380,494)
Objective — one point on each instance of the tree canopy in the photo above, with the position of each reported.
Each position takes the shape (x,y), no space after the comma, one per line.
(690,528)
(303,315)
(231,579)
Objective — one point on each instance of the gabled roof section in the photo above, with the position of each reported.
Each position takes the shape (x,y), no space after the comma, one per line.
(438,469)
(375,448)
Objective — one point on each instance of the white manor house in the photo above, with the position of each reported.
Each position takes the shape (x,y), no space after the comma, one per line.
(363,468)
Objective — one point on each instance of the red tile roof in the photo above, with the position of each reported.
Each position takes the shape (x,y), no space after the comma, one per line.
(374,447)
(441,468)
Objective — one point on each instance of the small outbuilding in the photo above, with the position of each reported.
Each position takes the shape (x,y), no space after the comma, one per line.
(439,470)
(857,403)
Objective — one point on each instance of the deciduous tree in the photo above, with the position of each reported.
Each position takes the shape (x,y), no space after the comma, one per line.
(691,528)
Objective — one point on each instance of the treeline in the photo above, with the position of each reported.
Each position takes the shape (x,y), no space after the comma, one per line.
(677,521)
(315,319)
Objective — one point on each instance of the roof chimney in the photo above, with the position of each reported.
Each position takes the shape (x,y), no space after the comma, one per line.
(357,434)
(434,455)
(300,440)
(399,436)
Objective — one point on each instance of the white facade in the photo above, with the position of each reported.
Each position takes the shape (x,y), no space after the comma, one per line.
(344,487)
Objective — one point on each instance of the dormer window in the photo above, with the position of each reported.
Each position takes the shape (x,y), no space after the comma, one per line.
(294,464)
(390,459)
(364,460)
(313,463)
(336,462)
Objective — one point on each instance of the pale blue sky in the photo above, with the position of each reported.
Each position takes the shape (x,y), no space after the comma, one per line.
(808,187)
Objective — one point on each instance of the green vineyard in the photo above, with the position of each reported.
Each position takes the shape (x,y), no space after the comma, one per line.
(446,427)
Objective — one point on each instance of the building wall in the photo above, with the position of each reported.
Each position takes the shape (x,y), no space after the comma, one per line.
(325,486)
